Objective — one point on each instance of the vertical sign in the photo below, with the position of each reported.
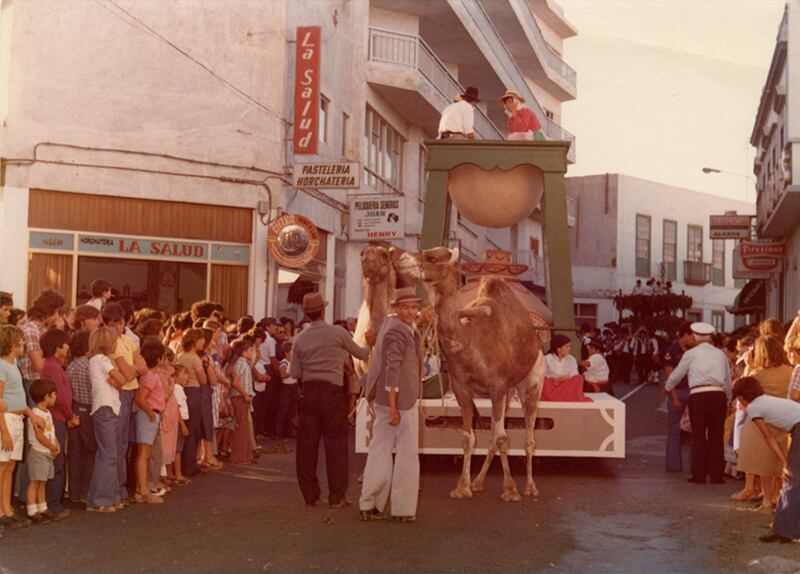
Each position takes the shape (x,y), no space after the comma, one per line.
(306,90)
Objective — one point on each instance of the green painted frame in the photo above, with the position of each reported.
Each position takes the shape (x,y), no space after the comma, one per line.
(548,156)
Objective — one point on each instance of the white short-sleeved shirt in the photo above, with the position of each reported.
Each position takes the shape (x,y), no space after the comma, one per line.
(104,394)
(49,431)
(180,398)
(598,369)
(267,349)
(555,367)
(286,365)
(458,117)
(781,413)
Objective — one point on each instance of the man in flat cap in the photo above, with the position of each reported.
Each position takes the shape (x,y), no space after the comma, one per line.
(318,365)
(709,374)
(393,382)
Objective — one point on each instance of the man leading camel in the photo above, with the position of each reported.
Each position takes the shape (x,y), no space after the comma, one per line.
(393,380)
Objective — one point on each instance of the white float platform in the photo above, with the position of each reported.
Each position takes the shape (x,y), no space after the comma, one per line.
(587,429)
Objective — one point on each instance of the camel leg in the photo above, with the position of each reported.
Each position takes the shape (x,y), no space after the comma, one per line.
(532,390)
(477,484)
(468,440)
(500,441)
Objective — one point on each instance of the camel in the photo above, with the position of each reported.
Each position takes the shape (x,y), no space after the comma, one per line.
(491,348)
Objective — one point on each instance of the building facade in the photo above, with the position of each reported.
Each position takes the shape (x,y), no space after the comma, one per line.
(776,139)
(151,144)
(627,228)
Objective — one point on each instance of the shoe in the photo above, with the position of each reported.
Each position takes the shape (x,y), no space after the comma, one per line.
(770,538)
(695,480)
(39,519)
(342,503)
(158,492)
(312,502)
(411,518)
(371,514)
(103,509)
(56,517)
(12,522)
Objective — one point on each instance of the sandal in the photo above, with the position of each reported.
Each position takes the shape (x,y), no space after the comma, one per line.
(100,509)
(182,481)
(149,499)
(743,496)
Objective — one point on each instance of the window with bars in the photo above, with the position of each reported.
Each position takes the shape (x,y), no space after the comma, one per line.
(643,246)
(383,154)
(694,243)
(669,250)
(718,321)
(718,262)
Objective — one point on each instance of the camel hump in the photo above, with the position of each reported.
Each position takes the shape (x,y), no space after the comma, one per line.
(495,288)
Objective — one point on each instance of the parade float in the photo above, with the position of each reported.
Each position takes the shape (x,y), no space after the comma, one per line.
(492,359)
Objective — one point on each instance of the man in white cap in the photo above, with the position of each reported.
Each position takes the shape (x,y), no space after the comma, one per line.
(318,364)
(393,382)
(709,374)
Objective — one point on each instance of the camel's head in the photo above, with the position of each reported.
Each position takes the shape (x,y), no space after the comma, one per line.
(434,265)
(376,263)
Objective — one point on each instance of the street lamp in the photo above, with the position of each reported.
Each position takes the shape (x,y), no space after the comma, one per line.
(747,178)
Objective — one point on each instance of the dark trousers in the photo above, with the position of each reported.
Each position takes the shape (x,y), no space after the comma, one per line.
(674,451)
(273,393)
(260,413)
(787,513)
(707,415)
(323,415)
(80,454)
(643,367)
(624,367)
(195,424)
(54,490)
(286,405)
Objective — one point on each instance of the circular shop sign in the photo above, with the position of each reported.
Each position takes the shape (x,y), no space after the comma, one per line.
(293,240)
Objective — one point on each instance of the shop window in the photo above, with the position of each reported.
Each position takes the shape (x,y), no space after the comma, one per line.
(642,246)
(48,271)
(585,313)
(229,288)
(169,285)
(669,250)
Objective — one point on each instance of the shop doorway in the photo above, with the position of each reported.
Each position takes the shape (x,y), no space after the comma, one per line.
(169,285)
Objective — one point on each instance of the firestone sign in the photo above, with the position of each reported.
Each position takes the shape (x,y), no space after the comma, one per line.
(306,90)
(757,259)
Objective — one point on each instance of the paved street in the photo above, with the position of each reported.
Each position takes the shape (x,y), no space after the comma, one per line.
(591,516)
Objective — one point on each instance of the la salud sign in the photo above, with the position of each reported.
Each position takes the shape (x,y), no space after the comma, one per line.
(306,90)
(293,240)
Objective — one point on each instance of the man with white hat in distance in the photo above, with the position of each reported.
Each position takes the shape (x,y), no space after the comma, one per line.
(522,122)
(393,381)
(458,119)
(318,365)
(709,374)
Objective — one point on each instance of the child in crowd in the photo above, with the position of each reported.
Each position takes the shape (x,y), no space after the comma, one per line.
(55,350)
(596,374)
(174,470)
(288,395)
(42,450)
(793,353)
(12,420)
(242,355)
(150,400)
(107,380)
(82,444)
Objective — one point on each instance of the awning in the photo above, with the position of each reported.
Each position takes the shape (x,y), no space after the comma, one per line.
(751,299)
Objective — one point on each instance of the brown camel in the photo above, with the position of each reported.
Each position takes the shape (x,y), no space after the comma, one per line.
(491,348)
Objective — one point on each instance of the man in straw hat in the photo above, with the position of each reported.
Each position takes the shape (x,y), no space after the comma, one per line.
(458,118)
(522,122)
(393,382)
(709,374)
(318,364)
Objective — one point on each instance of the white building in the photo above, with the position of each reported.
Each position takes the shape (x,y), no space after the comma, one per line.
(149,143)
(627,228)
(776,137)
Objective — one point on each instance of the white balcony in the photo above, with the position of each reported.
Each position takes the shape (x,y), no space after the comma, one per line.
(696,273)
(778,203)
(408,73)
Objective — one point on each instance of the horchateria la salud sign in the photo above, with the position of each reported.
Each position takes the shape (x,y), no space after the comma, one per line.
(341,175)
(306,90)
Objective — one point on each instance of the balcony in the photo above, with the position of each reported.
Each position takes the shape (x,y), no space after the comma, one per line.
(696,273)
(416,82)
(778,203)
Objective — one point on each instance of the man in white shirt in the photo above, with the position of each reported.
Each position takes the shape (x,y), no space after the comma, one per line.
(709,376)
(458,118)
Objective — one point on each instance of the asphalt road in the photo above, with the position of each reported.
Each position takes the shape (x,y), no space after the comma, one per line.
(591,516)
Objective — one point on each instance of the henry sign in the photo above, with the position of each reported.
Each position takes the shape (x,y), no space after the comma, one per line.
(374,217)
(757,259)
(306,90)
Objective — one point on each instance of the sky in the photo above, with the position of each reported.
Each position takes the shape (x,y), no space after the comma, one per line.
(667,87)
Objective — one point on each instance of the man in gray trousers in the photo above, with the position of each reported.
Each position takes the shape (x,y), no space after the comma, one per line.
(393,382)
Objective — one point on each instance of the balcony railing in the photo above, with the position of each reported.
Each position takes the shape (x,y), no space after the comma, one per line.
(552,59)
(511,75)
(696,273)
(412,51)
